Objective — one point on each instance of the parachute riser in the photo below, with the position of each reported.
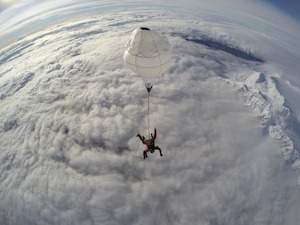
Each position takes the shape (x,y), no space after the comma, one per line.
(149,114)
(148,87)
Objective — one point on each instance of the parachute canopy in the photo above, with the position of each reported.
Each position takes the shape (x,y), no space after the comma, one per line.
(147,53)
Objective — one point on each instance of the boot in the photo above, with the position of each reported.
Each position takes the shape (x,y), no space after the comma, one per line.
(145,155)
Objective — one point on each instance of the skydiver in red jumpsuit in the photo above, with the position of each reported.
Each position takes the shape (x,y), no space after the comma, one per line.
(150,144)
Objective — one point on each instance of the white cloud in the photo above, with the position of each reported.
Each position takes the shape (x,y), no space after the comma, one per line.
(69,154)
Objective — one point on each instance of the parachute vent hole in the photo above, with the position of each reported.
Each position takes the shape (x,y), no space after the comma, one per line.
(144,28)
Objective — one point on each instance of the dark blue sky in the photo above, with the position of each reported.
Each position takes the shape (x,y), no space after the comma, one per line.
(290,7)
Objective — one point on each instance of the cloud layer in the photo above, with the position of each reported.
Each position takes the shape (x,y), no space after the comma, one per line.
(69,154)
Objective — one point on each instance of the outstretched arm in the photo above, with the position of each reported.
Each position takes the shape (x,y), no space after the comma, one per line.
(142,138)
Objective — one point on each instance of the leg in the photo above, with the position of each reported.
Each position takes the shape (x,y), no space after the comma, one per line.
(158,148)
(145,153)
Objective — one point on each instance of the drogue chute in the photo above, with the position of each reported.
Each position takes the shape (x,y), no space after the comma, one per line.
(147,53)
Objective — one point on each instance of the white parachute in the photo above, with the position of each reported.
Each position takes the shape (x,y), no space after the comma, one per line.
(147,53)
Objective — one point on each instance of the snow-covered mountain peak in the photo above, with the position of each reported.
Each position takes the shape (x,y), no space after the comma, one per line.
(256,78)
(261,92)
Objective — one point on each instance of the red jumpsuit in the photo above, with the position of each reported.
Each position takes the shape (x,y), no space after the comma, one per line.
(150,144)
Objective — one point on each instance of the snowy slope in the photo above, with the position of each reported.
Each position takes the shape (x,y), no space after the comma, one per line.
(260,90)
(261,93)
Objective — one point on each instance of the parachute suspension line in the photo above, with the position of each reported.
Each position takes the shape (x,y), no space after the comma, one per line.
(149,114)
(148,87)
